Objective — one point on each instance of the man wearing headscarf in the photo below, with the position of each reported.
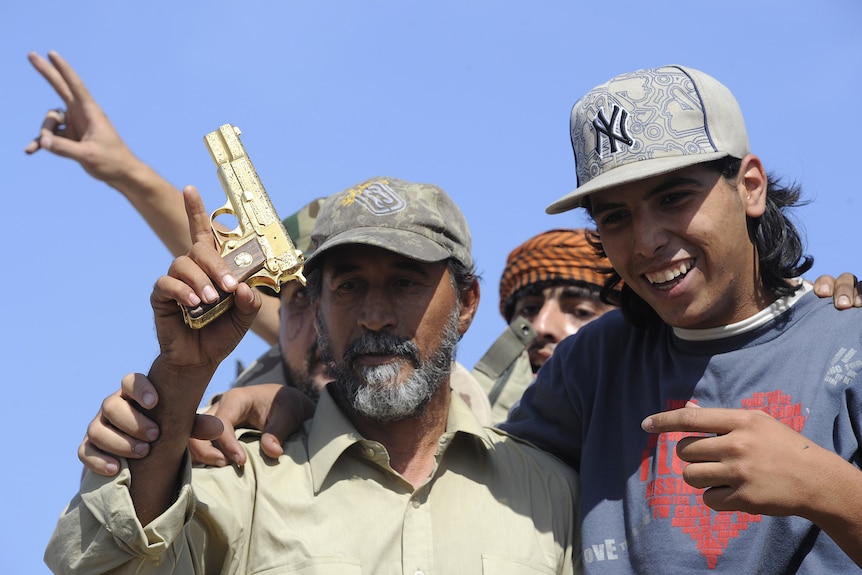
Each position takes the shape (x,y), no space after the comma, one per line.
(550,287)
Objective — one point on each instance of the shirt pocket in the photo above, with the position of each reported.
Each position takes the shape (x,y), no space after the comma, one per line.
(498,565)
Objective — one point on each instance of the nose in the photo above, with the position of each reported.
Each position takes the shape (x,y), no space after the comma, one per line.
(648,236)
(377,311)
(550,323)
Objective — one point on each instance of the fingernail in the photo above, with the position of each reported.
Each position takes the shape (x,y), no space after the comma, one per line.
(141,448)
(152,434)
(843,300)
(229,281)
(46,142)
(647,424)
(210,294)
(858,301)
(148,400)
(111,468)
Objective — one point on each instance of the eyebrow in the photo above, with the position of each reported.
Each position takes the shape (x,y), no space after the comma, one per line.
(598,208)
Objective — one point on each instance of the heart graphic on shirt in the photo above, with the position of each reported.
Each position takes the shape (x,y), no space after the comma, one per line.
(671,499)
(710,530)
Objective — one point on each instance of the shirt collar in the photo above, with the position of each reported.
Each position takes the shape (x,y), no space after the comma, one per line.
(330,433)
(765,315)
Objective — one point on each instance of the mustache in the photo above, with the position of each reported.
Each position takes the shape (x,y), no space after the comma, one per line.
(381,343)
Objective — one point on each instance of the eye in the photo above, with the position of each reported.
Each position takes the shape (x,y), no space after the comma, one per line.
(673,198)
(612,217)
(347,286)
(529,311)
(298,301)
(528,307)
(582,313)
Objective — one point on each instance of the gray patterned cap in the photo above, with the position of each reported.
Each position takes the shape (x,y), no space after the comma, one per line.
(419,221)
(647,123)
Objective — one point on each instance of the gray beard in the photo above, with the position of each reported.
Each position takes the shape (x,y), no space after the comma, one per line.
(372,392)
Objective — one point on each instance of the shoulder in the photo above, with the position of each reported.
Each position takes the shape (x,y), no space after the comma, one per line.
(609,334)
(268,368)
(467,387)
(525,459)
(822,311)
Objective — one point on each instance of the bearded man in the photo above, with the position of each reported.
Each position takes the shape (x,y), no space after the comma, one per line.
(393,474)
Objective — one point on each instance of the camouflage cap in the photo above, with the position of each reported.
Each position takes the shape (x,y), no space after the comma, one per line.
(650,122)
(300,224)
(419,221)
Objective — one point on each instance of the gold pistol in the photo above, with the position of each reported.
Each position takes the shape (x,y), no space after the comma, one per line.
(259,250)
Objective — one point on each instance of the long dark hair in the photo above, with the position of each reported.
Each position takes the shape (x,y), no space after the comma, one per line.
(778,243)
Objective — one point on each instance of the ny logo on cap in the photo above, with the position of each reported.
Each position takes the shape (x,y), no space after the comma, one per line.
(603,126)
(377,197)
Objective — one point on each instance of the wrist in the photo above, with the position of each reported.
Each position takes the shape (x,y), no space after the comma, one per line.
(129,176)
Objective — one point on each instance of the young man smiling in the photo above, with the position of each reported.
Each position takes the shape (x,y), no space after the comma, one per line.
(748,383)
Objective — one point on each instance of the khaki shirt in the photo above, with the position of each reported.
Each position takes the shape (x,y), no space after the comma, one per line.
(333,505)
(512,384)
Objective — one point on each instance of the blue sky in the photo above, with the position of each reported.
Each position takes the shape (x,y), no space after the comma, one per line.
(471,95)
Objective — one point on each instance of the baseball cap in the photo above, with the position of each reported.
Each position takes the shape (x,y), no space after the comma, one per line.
(419,221)
(650,122)
(300,223)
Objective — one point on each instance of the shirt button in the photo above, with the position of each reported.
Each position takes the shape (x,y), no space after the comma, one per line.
(416,504)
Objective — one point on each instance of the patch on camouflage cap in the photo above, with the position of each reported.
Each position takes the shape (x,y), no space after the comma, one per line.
(416,220)
(300,224)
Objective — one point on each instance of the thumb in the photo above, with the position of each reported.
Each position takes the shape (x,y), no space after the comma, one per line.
(247,302)
(207,427)
(63,147)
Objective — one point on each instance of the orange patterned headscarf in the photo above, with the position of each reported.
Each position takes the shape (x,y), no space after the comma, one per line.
(557,255)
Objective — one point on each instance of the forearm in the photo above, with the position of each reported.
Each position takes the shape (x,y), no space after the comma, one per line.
(156,478)
(156,199)
(835,504)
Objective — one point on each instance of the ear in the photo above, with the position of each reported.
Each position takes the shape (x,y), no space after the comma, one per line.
(469,306)
(752,185)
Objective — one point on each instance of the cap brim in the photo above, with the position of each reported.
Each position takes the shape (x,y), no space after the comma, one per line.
(409,244)
(627,174)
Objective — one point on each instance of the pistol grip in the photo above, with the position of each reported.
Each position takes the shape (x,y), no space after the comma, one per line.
(244,261)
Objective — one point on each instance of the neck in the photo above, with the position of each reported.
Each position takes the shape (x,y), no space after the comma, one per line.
(412,442)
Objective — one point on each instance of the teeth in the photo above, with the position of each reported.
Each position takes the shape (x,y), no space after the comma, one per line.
(668,274)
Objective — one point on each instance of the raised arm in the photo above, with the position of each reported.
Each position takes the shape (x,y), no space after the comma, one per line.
(81,131)
(187,360)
